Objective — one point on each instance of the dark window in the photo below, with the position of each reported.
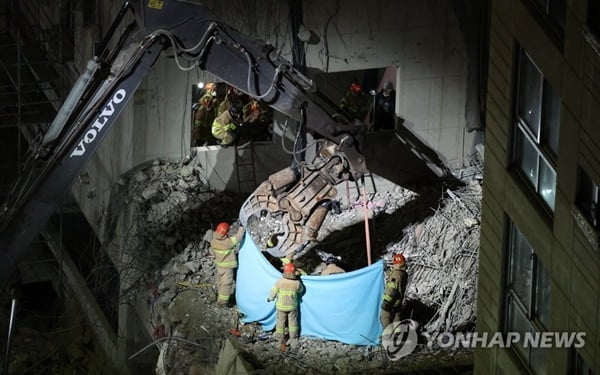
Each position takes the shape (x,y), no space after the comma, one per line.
(88,12)
(528,297)
(578,366)
(551,14)
(593,17)
(588,198)
(536,129)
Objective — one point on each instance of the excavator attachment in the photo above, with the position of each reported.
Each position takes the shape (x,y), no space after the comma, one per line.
(299,199)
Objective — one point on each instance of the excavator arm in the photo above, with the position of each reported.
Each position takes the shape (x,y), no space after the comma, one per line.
(298,195)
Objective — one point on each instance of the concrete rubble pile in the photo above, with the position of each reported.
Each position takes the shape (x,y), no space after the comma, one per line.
(192,332)
(176,212)
(442,254)
(442,257)
(159,208)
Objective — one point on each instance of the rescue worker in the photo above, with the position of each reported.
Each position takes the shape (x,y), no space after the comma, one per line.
(285,260)
(286,292)
(355,102)
(332,267)
(226,124)
(385,108)
(223,246)
(253,111)
(205,114)
(254,126)
(395,287)
(233,94)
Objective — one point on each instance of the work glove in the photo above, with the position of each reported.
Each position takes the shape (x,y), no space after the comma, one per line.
(269,300)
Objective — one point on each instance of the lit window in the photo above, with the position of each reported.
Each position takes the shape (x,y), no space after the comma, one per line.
(588,199)
(536,129)
(528,297)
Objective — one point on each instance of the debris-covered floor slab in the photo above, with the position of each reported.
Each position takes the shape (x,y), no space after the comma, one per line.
(439,234)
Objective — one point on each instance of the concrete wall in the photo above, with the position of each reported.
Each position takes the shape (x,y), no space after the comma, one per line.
(222,173)
(572,260)
(423,40)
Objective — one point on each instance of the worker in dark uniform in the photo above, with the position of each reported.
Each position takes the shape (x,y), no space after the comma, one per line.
(395,287)
(224,247)
(355,102)
(286,291)
(385,108)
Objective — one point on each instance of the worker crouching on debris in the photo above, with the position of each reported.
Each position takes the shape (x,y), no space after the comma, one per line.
(223,247)
(395,286)
(287,291)
(332,267)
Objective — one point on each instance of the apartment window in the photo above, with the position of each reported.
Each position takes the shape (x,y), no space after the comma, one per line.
(588,199)
(593,17)
(536,129)
(578,366)
(552,14)
(528,297)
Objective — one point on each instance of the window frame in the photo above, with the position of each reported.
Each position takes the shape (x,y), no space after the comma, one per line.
(514,306)
(522,131)
(593,7)
(578,365)
(549,23)
(580,200)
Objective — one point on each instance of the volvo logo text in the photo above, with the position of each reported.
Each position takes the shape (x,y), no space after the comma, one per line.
(101,120)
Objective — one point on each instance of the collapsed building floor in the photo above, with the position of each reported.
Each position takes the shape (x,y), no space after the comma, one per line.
(168,212)
(438,232)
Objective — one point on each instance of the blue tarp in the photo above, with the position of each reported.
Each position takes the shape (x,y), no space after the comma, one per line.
(342,307)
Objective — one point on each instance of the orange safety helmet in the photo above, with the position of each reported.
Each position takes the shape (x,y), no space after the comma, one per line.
(398,259)
(222,229)
(254,106)
(289,268)
(355,87)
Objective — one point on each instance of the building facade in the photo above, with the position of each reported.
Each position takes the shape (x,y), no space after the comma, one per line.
(540,260)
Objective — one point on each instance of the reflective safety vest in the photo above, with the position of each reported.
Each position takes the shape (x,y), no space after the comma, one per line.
(223,124)
(224,250)
(395,286)
(286,291)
